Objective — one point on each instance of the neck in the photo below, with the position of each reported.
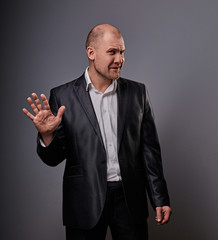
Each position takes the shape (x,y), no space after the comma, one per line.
(100,83)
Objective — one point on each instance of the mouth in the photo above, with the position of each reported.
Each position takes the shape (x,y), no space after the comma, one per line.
(115,68)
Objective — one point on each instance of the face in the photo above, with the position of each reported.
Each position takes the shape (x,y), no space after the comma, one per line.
(108,56)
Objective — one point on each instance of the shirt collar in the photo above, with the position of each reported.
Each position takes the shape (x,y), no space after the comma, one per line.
(88,80)
(89,84)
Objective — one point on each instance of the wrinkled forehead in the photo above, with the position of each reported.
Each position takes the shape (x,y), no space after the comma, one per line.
(112,39)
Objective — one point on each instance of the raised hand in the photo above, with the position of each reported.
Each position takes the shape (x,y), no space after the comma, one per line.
(45,122)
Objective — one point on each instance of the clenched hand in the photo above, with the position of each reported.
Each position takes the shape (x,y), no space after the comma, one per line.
(163,215)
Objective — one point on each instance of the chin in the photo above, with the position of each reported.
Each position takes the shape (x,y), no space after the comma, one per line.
(115,76)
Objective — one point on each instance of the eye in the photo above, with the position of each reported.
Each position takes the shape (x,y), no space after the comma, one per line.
(112,52)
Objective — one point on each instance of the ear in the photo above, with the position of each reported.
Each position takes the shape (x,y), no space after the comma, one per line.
(90,53)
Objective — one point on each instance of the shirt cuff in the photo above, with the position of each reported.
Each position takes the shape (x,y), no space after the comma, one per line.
(41,142)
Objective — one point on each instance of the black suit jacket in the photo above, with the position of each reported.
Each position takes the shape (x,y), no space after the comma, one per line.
(78,140)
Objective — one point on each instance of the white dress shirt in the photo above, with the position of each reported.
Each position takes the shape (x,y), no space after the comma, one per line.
(105,106)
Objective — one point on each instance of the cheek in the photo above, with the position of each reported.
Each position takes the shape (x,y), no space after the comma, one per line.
(110,61)
(104,62)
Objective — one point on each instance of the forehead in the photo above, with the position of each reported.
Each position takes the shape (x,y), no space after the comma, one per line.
(112,40)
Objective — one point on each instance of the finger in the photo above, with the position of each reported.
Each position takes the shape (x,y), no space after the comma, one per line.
(158,214)
(32,105)
(166,217)
(28,113)
(61,111)
(45,102)
(37,101)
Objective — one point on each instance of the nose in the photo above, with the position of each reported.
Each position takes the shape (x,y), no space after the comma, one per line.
(119,58)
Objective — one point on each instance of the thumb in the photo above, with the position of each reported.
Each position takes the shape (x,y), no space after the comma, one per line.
(61,111)
(158,214)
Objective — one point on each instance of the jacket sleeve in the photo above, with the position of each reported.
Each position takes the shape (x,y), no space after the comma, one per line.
(156,184)
(55,153)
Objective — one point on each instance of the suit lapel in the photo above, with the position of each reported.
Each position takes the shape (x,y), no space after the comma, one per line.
(122,102)
(85,100)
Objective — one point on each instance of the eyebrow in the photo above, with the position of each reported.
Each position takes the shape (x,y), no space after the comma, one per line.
(116,49)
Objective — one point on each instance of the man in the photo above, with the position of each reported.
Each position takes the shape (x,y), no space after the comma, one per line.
(103,126)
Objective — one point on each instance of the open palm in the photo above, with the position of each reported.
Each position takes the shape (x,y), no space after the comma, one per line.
(44,120)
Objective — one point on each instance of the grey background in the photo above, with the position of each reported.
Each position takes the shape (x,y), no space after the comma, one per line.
(171,46)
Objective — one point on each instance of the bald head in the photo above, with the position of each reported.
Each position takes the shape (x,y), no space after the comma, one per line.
(97,33)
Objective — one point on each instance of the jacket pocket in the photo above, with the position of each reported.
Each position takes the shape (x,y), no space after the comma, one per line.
(73,171)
